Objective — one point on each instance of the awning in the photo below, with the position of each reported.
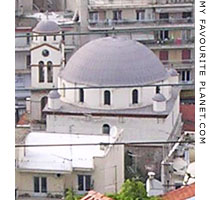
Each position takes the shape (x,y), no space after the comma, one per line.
(173,10)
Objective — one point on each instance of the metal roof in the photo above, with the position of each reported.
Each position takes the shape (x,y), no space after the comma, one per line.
(173,72)
(159,98)
(46,26)
(114,61)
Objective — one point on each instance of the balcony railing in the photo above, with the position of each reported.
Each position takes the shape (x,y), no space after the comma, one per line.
(179,64)
(112,23)
(136,2)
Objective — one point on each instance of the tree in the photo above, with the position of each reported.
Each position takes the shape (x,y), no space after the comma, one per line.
(132,190)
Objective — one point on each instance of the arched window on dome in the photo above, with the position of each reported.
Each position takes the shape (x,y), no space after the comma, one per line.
(64,91)
(157,89)
(106,129)
(135,96)
(41,71)
(49,72)
(81,95)
(107,97)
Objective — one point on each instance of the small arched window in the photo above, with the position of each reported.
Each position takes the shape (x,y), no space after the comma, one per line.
(49,72)
(54,37)
(45,38)
(157,89)
(43,103)
(135,96)
(106,129)
(41,71)
(64,90)
(81,95)
(107,97)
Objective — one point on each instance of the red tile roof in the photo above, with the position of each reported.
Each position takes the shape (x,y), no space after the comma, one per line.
(92,195)
(24,119)
(188,116)
(182,193)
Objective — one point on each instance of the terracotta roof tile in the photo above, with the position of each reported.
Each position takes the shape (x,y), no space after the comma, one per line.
(92,195)
(188,116)
(182,193)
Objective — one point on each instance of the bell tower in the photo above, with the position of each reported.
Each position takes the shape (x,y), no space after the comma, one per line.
(47,59)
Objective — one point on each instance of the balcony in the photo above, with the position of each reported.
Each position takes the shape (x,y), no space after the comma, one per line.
(170,43)
(179,64)
(171,23)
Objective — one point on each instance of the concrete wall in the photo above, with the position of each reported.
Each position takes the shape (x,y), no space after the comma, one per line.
(20,59)
(141,128)
(106,177)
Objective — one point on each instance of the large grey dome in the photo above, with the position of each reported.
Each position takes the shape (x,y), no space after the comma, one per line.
(113,61)
(46,26)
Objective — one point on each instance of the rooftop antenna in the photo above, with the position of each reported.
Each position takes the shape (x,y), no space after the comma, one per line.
(47,13)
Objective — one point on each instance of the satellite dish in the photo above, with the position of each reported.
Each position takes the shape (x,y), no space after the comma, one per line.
(113,132)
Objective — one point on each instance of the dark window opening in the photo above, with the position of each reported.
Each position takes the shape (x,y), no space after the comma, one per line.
(43,104)
(41,71)
(28,60)
(140,15)
(44,185)
(49,72)
(81,95)
(36,184)
(164,17)
(107,98)
(84,182)
(164,35)
(135,97)
(106,129)
(54,37)
(186,15)
(28,38)
(117,15)
(45,38)
(63,36)
(157,89)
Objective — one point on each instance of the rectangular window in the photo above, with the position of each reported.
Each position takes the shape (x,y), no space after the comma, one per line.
(28,38)
(186,15)
(28,61)
(164,35)
(36,184)
(80,183)
(94,16)
(84,182)
(163,55)
(44,185)
(185,75)
(54,37)
(40,184)
(164,17)
(45,38)
(186,55)
(140,15)
(117,15)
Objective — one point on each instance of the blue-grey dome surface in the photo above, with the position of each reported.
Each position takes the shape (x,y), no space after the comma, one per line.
(115,62)
(159,97)
(46,27)
(53,94)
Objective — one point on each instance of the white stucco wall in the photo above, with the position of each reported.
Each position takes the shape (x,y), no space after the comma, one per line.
(121,98)
(142,128)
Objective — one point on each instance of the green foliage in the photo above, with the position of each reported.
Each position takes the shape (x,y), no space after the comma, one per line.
(132,190)
(70,195)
